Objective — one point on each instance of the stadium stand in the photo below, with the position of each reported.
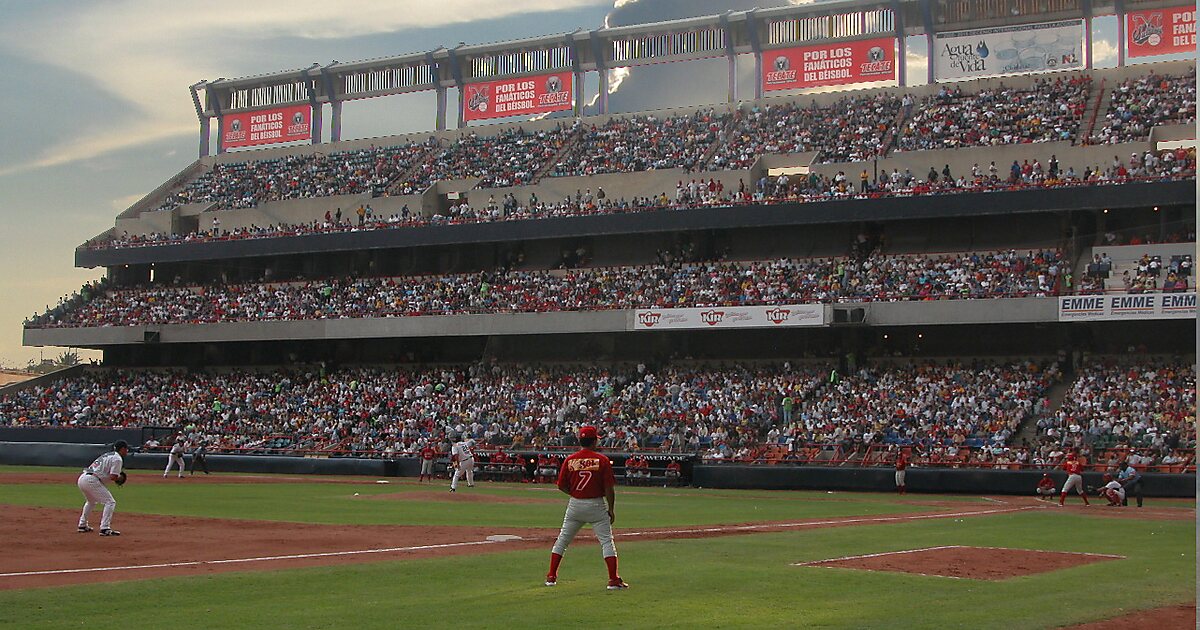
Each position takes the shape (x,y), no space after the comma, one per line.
(1051,109)
(857,390)
(966,275)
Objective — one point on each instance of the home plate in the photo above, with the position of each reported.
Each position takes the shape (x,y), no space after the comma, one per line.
(502,537)
(383,481)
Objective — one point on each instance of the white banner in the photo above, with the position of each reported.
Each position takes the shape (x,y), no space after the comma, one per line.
(987,52)
(729,317)
(1087,308)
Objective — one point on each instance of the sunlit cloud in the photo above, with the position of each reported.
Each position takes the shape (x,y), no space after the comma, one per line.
(143,53)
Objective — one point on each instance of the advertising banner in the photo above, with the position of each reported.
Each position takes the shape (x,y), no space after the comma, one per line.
(1089,308)
(266,126)
(864,61)
(518,97)
(729,317)
(1161,31)
(987,52)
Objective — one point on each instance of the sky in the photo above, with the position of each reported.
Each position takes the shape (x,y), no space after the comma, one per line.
(97,111)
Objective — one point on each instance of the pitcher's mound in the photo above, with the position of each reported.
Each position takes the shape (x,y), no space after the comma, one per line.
(975,563)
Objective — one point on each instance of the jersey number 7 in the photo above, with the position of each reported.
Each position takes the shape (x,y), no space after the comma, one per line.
(584,477)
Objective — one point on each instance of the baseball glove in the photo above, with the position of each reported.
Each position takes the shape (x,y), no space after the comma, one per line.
(121,479)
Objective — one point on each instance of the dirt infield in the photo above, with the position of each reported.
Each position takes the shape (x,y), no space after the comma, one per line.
(1166,618)
(974,563)
(46,550)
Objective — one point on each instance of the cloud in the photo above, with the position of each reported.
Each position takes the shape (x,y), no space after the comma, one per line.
(121,203)
(144,53)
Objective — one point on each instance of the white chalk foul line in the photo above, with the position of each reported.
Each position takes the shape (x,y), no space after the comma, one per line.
(298,556)
(873,519)
(924,549)
(327,554)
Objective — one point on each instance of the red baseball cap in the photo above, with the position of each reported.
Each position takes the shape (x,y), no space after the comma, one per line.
(588,432)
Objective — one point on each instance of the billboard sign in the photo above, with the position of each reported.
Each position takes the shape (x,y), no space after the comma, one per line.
(1161,31)
(729,317)
(524,96)
(987,52)
(266,126)
(1090,308)
(863,61)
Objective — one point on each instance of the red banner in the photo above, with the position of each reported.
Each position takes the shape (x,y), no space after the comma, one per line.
(518,97)
(863,61)
(1161,31)
(266,126)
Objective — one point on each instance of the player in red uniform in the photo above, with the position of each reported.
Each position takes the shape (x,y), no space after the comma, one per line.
(587,476)
(1045,488)
(1074,470)
(427,456)
(901,467)
(672,473)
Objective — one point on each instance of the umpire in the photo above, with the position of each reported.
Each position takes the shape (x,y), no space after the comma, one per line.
(198,458)
(1131,480)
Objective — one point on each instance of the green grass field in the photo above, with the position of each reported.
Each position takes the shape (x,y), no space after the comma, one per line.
(731,581)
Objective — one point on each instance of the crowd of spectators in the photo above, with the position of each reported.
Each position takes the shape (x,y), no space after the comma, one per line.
(1137,105)
(931,405)
(643,143)
(509,158)
(854,128)
(876,277)
(1143,403)
(1050,110)
(248,184)
(815,187)
(686,408)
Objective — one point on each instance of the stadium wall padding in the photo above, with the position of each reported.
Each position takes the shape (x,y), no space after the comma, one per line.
(80,435)
(954,480)
(724,476)
(80,455)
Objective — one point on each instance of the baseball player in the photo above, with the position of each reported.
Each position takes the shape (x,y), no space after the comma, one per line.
(1074,479)
(175,458)
(462,458)
(93,484)
(1113,491)
(199,458)
(1131,482)
(901,468)
(1045,488)
(587,476)
(428,453)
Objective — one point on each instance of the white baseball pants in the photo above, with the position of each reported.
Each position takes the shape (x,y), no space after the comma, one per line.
(1073,482)
(173,460)
(466,468)
(593,512)
(95,492)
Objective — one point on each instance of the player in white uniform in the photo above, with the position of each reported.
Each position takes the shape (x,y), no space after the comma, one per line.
(462,458)
(93,484)
(175,458)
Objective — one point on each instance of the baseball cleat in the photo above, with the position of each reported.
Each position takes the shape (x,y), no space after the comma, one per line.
(83,529)
(617,585)
(109,532)
(451,489)
(551,580)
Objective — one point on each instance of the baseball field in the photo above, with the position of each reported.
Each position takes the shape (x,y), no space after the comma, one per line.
(321,552)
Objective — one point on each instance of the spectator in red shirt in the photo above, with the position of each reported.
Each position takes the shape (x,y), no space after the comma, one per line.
(587,476)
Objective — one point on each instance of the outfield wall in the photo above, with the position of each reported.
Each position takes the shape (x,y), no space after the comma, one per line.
(964,480)
(725,476)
